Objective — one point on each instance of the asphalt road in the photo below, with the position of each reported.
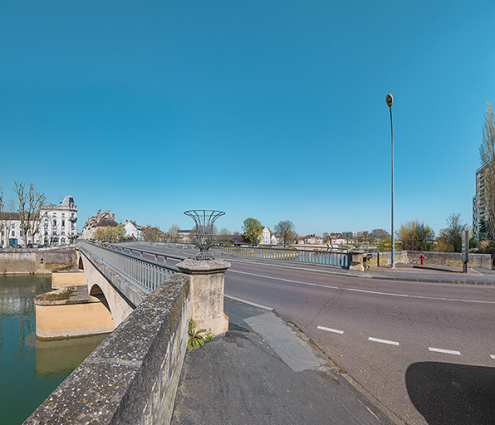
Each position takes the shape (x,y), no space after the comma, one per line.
(425,350)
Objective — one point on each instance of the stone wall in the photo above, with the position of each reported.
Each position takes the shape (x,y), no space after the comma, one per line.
(450,259)
(432,258)
(132,376)
(37,261)
(385,258)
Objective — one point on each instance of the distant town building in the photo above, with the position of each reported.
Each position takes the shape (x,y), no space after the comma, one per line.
(99,221)
(480,212)
(132,230)
(310,240)
(265,236)
(349,235)
(58,226)
(186,236)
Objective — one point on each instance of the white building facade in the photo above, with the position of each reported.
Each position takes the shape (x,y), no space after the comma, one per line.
(58,226)
(132,230)
(265,236)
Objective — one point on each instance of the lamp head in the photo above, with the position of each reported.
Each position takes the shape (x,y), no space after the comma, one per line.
(389,99)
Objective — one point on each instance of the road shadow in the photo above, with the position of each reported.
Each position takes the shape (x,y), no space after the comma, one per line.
(452,394)
(436,269)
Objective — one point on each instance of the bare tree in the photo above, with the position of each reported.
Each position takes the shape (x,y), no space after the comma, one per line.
(450,238)
(6,222)
(286,231)
(487,157)
(30,212)
(378,235)
(174,232)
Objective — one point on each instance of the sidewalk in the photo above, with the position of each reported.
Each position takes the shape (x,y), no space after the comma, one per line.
(433,273)
(262,371)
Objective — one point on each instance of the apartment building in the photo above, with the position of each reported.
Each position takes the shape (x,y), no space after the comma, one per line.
(58,226)
(480,212)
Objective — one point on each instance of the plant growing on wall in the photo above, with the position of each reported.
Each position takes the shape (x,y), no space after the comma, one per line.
(195,339)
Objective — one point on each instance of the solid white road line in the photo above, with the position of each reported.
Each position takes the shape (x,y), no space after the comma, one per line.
(492,356)
(330,330)
(248,302)
(383,341)
(391,294)
(441,350)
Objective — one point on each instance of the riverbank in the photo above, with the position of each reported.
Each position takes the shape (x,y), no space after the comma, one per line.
(38,261)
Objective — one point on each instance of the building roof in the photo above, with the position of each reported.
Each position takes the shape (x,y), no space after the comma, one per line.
(107,221)
(9,216)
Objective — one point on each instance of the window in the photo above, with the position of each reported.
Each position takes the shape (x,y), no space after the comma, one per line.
(63,223)
(13,233)
(63,215)
(54,223)
(13,226)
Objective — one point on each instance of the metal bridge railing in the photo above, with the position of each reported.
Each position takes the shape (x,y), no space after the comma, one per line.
(145,273)
(329,258)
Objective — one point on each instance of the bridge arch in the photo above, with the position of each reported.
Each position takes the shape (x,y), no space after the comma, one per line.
(100,287)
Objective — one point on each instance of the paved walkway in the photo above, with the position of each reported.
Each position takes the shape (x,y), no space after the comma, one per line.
(263,371)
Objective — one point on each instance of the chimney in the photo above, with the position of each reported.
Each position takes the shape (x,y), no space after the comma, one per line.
(113,216)
(126,222)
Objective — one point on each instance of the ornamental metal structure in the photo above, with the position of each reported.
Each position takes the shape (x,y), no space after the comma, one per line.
(204,238)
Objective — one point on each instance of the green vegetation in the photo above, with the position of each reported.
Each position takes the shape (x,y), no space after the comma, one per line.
(416,236)
(110,234)
(252,230)
(195,339)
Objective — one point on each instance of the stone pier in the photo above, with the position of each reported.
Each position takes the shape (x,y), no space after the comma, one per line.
(71,312)
(207,289)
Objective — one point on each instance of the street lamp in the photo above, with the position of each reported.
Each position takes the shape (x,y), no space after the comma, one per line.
(390,99)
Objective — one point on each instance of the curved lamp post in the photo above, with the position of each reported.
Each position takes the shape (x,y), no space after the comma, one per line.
(204,238)
(390,99)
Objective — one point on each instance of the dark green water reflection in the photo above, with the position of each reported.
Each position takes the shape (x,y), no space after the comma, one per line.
(30,369)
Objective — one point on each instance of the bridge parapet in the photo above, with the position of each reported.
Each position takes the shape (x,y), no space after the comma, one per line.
(132,376)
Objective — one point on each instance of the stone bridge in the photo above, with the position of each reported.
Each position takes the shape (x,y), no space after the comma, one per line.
(132,376)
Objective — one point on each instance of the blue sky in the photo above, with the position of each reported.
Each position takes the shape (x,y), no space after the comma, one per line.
(267,109)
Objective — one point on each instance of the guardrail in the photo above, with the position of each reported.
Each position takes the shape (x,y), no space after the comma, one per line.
(145,273)
(140,252)
(329,258)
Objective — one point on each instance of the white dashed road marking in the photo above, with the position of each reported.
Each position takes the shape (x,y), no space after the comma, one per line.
(383,341)
(441,350)
(330,330)
(492,356)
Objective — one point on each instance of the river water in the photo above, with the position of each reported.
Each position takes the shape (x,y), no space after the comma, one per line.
(31,369)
